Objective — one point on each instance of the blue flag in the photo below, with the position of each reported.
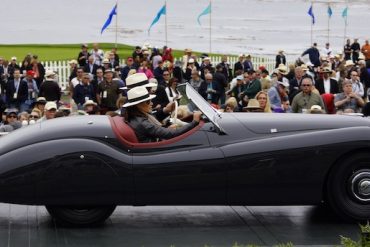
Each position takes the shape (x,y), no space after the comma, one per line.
(110,17)
(162,11)
(330,11)
(310,13)
(345,13)
(205,12)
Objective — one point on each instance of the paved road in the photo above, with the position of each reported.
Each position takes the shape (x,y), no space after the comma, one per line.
(178,226)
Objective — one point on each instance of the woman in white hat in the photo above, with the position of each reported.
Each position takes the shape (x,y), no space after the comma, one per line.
(147,128)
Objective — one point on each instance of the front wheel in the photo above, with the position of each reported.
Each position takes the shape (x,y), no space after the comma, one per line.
(80,216)
(348,189)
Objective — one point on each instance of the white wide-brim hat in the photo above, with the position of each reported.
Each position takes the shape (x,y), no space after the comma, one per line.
(137,95)
(138,79)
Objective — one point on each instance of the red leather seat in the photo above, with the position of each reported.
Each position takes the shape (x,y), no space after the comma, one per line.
(123,131)
(126,135)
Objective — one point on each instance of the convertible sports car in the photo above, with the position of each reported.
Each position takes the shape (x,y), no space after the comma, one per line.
(81,168)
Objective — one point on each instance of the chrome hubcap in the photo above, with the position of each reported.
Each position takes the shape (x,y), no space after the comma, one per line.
(360,186)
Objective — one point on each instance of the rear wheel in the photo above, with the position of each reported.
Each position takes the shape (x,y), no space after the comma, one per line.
(348,190)
(80,216)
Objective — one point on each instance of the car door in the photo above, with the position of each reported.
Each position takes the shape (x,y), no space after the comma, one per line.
(188,172)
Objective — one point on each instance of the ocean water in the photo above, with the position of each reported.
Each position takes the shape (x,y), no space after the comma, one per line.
(238,26)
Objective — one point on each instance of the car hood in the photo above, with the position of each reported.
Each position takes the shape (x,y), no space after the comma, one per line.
(69,127)
(263,123)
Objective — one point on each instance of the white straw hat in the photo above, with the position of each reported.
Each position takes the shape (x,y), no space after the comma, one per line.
(138,79)
(137,95)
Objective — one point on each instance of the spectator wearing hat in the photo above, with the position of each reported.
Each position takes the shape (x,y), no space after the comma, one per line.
(137,53)
(327,84)
(49,111)
(313,55)
(50,89)
(83,56)
(278,94)
(239,66)
(129,66)
(90,107)
(248,65)
(280,59)
(146,127)
(356,48)
(17,92)
(206,67)
(33,90)
(97,54)
(39,70)
(306,98)
(348,101)
(73,68)
(90,67)
(11,121)
(185,58)
(253,106)
(84,92)
(189,68)
(237,89)
(12,66)
(108,92)
(39,105)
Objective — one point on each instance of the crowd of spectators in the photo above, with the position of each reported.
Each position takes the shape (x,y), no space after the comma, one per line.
(328,84)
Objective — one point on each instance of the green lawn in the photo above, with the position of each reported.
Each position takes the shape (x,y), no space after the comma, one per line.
(47,52)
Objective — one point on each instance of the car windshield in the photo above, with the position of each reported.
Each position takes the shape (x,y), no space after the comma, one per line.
(196,102)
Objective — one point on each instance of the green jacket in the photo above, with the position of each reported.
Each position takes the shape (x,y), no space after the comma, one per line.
(252,88)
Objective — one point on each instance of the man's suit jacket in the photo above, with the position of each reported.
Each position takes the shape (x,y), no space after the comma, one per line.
(334,89)
(22,92)
(94,68)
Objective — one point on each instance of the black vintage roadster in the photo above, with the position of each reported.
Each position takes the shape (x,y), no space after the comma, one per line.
(80,168)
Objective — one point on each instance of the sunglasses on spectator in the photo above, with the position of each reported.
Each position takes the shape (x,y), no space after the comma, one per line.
(148,102)
(165,74)
(12,116)
(34,116)
(306,85)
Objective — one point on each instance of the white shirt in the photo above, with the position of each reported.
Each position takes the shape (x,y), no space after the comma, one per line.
(174,94)
(327,51)
(98,56)
(358,88)
(327,85)
(75,82)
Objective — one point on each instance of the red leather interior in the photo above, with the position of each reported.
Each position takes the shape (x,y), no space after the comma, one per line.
(126,135)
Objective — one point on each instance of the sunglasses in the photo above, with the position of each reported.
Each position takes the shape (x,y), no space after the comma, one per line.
(12,116)
(33,116)
(148,102)
(306,85)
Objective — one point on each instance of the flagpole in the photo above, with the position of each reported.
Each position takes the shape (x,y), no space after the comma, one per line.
(311,25)
(328,24)
(345,24)
(165,21)
(210,27)
(115,45)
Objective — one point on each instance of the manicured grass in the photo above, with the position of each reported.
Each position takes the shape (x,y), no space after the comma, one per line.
(49,52)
